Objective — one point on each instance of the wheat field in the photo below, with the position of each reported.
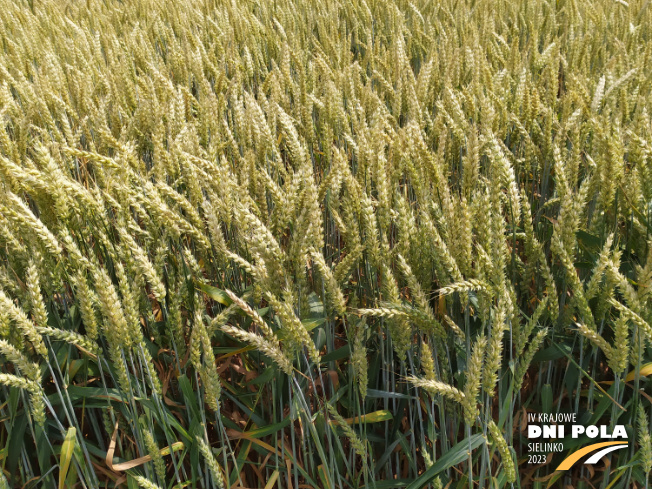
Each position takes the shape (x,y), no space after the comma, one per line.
(322,244)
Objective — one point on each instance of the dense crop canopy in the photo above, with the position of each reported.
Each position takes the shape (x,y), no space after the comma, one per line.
(321,243)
